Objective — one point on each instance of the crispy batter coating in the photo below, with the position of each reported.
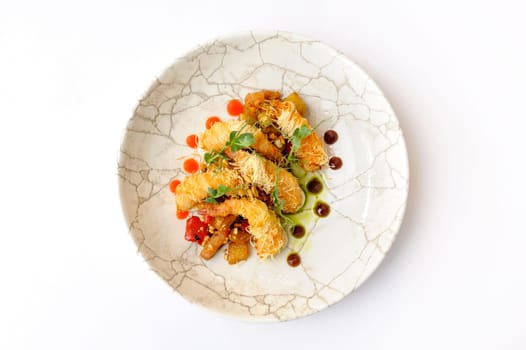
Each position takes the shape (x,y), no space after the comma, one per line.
(194,188)
(262,172)
(252,177)
(215,138)
(264,225)
(253,100)
(311,154)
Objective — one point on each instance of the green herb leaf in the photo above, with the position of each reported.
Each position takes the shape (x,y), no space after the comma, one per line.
(222,190)
(295,142)
(242,141)
(278,203)
(232,137)
(298,135)
(237,141)
(211,157)
(213,194)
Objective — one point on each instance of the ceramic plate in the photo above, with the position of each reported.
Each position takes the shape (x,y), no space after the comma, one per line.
(367,195)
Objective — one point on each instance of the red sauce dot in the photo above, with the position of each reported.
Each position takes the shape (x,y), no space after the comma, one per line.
(181,214)
(335,163)
(322,209)
(211,121)
(293,259)
(173,185)
(234,108)
(314,186)
(191,165)
(298,231)
(192,140)
(330,137)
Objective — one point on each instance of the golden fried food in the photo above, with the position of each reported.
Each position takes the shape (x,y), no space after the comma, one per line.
(194,188)
(245,188)
(253,101)
(239,236)
(237,251)
(264,225)
(311,154)
(267,108)
(215,138)
(262,172)
(219,237)
(301,107)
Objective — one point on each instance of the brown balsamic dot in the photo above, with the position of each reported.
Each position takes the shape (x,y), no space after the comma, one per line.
(298,231)
(330,137)
(293,259)
(322,209)
(335,163)
(314,186)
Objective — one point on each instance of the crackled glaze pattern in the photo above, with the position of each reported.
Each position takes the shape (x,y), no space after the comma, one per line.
(367,195)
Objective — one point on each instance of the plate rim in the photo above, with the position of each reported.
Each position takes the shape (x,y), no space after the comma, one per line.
(268,35)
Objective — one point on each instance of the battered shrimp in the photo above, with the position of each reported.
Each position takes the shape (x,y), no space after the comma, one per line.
(194,188)
(310,154)
(262,172)
(264,225)
(215,138)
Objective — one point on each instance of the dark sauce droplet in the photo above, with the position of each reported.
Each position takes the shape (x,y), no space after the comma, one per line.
(314,186)
(335,163)
(322,209)
(298,231)
(330,137)
(293,259)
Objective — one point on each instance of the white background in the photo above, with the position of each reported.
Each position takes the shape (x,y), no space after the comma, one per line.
(70,75)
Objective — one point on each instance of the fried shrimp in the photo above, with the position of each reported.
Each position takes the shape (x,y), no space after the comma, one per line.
(247,184)
(194,188)
(215,138)
(264,225)
(311,154)
(262,172)
(267,108)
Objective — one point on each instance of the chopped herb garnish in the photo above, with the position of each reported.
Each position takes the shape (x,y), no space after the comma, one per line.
(298,135)
(295,142)
(213,194)
(236,142)
(239,141)
(211,157)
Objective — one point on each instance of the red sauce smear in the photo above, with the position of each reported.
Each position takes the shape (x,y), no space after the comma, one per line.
(234,108)
(211,121)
